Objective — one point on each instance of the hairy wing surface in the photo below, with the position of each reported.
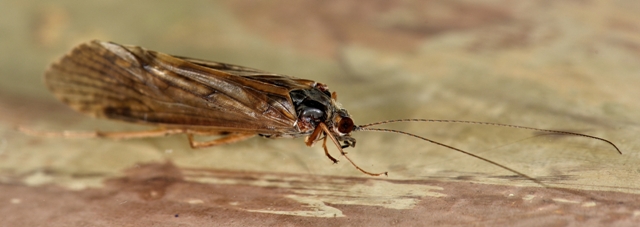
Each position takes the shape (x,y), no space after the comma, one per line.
(137,85)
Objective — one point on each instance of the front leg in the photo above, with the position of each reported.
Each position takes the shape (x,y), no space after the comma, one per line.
(326,151)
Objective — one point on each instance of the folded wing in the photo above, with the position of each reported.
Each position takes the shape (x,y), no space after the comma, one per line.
(133,84)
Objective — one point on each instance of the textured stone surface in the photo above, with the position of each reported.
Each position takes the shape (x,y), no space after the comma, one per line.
(570,65)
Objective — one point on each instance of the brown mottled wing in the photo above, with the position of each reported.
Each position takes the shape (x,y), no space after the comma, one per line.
(133,84)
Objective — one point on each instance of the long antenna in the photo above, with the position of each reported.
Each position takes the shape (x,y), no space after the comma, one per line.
(363,127)
(453,148)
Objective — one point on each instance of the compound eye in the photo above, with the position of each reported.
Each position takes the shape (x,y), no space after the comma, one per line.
(345,125)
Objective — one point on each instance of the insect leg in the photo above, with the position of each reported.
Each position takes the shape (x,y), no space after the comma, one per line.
(236,137)
(312,139)
(335,141)
(326,151)
(99,134)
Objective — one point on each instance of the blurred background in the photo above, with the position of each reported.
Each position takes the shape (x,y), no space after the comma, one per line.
(565,65)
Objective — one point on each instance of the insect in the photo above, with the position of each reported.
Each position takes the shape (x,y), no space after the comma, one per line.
(181,95)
